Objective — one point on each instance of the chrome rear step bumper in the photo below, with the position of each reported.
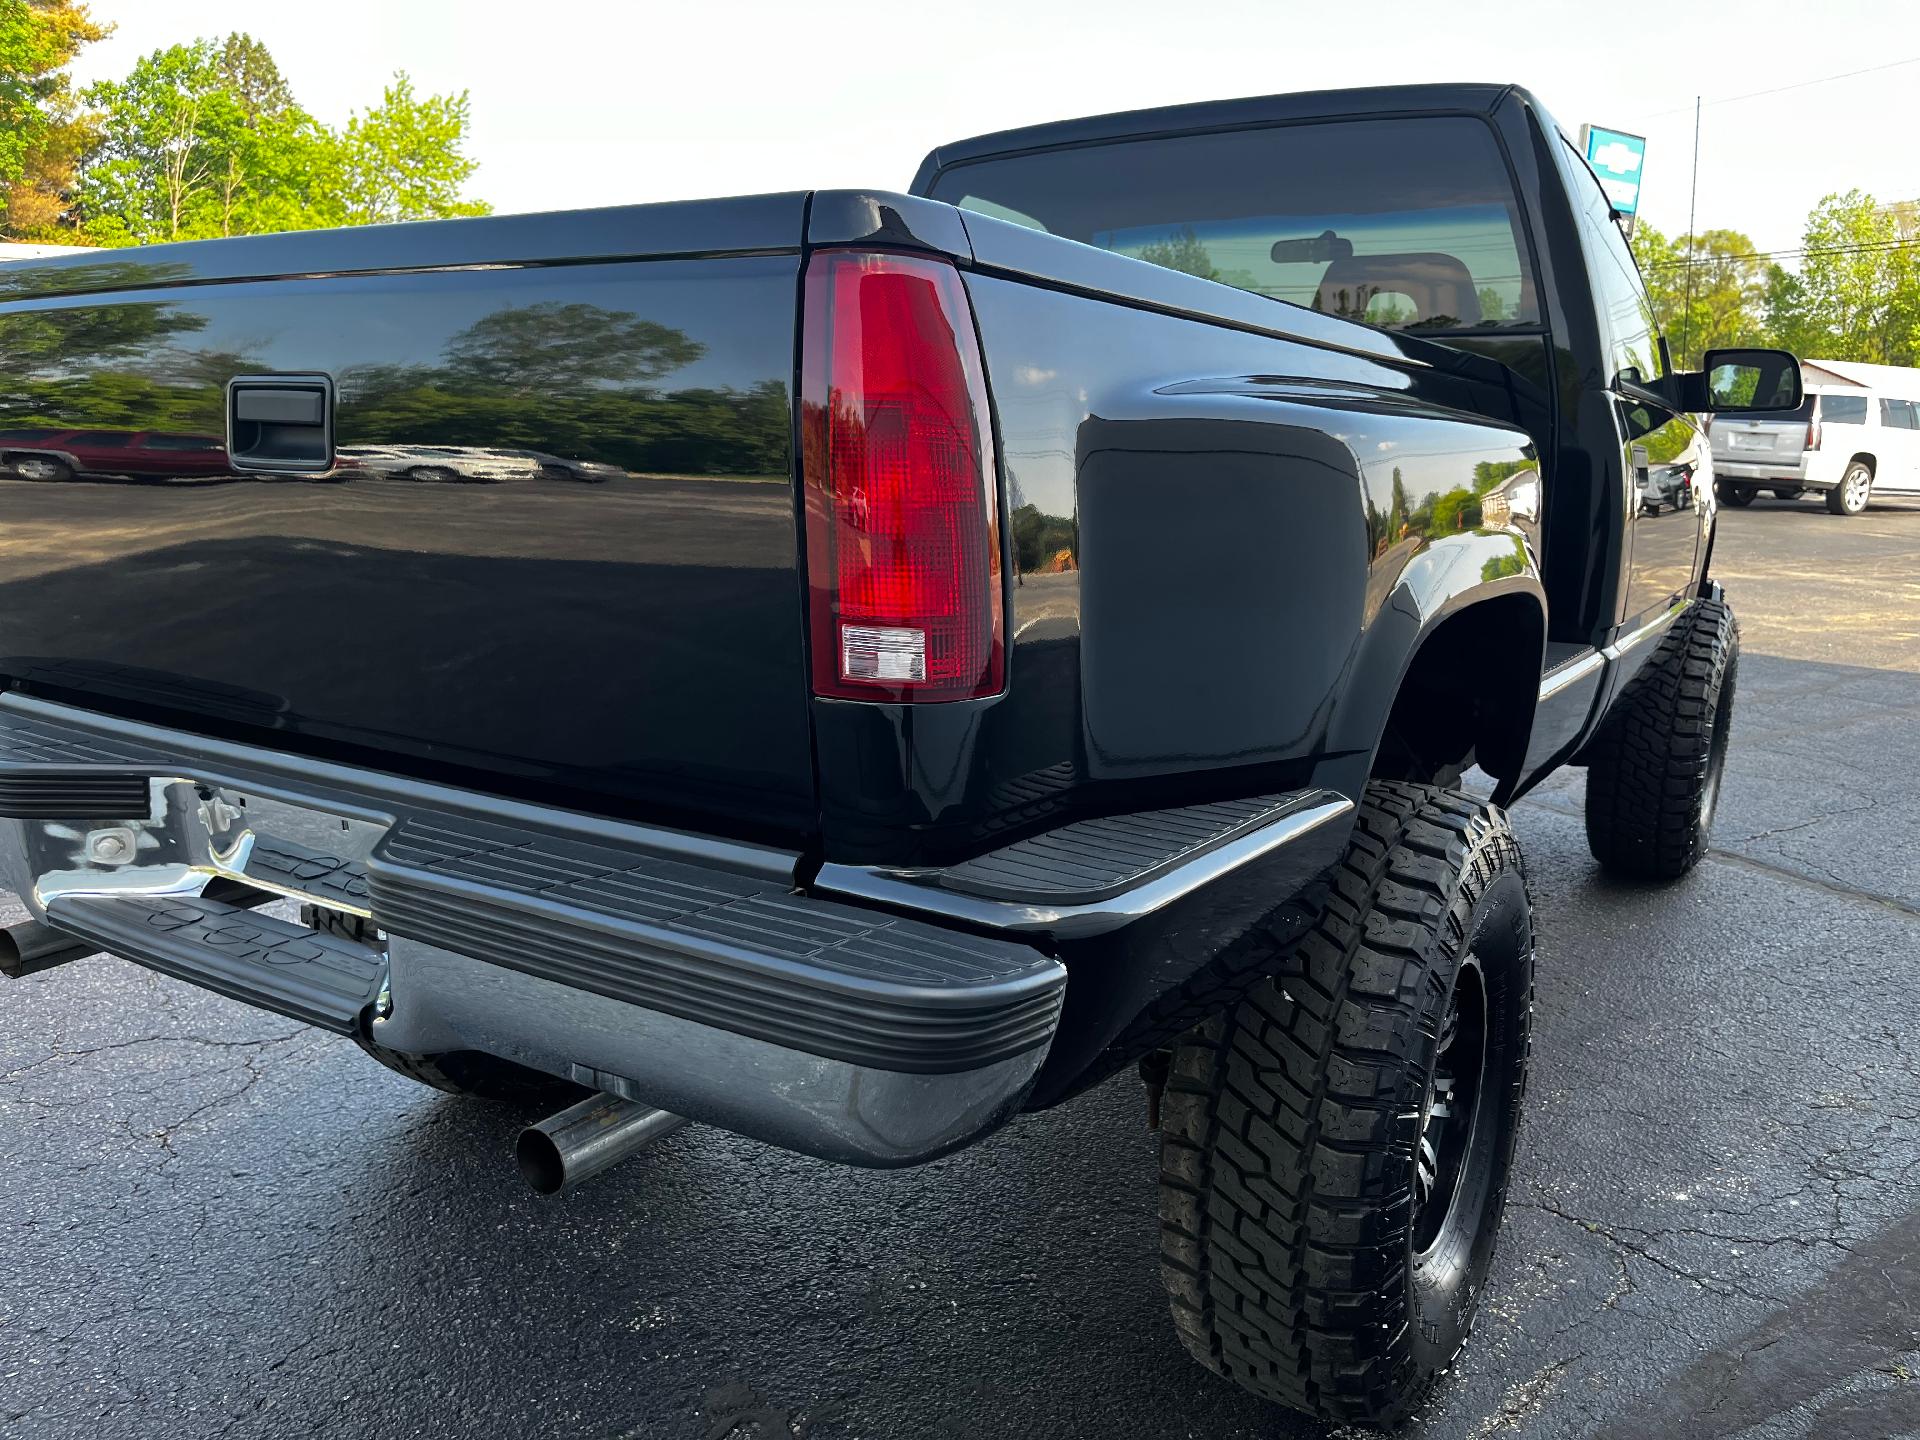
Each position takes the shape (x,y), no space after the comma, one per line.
(662,968)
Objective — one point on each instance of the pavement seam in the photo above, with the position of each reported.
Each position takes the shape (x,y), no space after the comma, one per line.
(1906,909)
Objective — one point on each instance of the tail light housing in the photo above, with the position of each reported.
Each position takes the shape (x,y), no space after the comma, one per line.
(901,501)
(1813,434)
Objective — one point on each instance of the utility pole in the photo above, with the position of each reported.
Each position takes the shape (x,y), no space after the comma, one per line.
(1693,199)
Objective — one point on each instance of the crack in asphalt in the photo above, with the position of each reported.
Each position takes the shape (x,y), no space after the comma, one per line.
(1641,1249)
(185,1039)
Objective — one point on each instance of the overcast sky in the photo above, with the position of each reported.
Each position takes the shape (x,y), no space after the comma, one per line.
(599,102)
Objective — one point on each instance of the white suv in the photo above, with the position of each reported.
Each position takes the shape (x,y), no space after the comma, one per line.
(1847,443)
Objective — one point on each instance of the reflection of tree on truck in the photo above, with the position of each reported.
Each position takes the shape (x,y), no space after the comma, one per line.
(1445,513)
(1040,541)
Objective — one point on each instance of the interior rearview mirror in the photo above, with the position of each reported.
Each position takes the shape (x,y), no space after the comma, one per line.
(1324,246)
(1746,380)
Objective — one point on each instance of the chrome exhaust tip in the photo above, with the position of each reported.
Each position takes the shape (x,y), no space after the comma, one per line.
(30,947)
(584,1139)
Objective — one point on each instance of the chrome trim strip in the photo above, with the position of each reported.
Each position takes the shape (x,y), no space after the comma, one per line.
(1568,671)
(922,891)
(1623,643)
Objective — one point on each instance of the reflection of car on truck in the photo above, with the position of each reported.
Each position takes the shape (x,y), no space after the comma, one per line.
(1666,486)
(469,464)
(40,453)
(781,808)
(1855,434)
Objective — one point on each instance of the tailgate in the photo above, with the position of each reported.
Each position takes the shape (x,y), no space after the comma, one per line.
(555,555)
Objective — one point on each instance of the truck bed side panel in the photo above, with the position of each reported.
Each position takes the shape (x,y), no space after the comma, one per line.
(1206,525)
(557,557)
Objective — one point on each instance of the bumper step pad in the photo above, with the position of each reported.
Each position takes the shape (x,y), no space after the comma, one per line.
(269,963)
(720,949)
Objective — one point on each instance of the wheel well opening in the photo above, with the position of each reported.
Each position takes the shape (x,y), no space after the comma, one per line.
(1468,696)
(1861,457)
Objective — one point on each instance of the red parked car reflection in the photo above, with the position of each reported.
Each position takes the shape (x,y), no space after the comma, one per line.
(47,454)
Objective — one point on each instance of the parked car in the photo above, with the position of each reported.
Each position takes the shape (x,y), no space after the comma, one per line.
(767,807)
(1844,444)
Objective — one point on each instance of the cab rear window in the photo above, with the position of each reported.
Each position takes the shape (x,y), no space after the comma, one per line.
(1406,224)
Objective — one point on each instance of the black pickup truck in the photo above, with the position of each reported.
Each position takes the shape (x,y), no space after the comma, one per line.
(851,667)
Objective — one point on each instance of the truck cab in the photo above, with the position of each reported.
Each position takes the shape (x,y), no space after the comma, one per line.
(1460,214)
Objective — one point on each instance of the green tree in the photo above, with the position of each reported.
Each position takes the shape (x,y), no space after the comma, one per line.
(249,73)
(1716,299)
(1856,295)
(207,139)
(42,134)
(403,159)
(155,158)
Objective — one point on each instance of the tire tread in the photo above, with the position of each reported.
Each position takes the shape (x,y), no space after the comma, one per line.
(1286,1138)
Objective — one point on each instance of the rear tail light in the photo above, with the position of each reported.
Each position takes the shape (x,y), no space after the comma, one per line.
(902,510)
(1813,434)
(1707,425)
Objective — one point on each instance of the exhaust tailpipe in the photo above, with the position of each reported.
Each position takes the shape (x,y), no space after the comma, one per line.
(584,1139)
(30,946)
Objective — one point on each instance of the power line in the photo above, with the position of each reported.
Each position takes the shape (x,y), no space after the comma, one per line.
(1783,89)
(1866,247)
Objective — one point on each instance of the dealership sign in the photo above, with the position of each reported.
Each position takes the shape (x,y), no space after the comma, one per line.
(1617,158)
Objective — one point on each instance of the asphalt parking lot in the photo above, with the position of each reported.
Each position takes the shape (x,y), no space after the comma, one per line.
(217,1223)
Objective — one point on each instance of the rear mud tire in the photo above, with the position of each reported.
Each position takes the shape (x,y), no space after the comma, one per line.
(1297,1252)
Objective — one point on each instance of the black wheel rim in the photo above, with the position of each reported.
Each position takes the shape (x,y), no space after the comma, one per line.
(1451,1114)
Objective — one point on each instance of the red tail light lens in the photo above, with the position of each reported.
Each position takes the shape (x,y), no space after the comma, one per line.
(902,510)
(1813,434)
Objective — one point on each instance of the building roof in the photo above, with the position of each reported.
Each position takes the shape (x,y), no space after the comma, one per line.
(1902,379)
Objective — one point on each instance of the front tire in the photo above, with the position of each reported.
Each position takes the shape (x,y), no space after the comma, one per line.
(1654,768)
(1850,496)
(1335,1149)
(1786,492)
